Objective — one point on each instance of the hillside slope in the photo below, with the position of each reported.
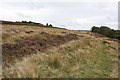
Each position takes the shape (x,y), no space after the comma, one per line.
(57,53)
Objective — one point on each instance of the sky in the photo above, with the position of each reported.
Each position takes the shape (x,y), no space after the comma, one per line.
(69,14)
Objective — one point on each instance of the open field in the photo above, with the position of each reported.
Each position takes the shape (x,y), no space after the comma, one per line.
(57,53)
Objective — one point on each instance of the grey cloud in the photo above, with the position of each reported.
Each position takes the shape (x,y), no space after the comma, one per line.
(71,15)
(22,15)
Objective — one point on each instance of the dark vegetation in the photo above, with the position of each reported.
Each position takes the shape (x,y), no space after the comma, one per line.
(31,45)
(105,31)
(29,23)
(49,25)
(26,23)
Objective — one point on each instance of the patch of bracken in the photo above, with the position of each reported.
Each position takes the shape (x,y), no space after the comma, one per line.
(33,44)
(98,35)
(112,47)
(116,40)
(110,39)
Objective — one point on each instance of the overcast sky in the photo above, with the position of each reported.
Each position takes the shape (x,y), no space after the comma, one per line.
(70,14)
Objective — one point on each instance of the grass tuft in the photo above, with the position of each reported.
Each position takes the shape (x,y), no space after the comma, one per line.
(54,61)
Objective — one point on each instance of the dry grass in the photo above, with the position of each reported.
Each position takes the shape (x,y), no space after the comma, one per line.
(76,59)
(11,33)
(87,57)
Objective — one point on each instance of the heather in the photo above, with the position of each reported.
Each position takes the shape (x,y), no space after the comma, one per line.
(47,52)
(33,44)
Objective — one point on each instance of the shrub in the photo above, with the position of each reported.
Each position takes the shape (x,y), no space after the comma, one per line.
(47,24)
(106,31)
(96,29)
(111,33)
(50,25)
